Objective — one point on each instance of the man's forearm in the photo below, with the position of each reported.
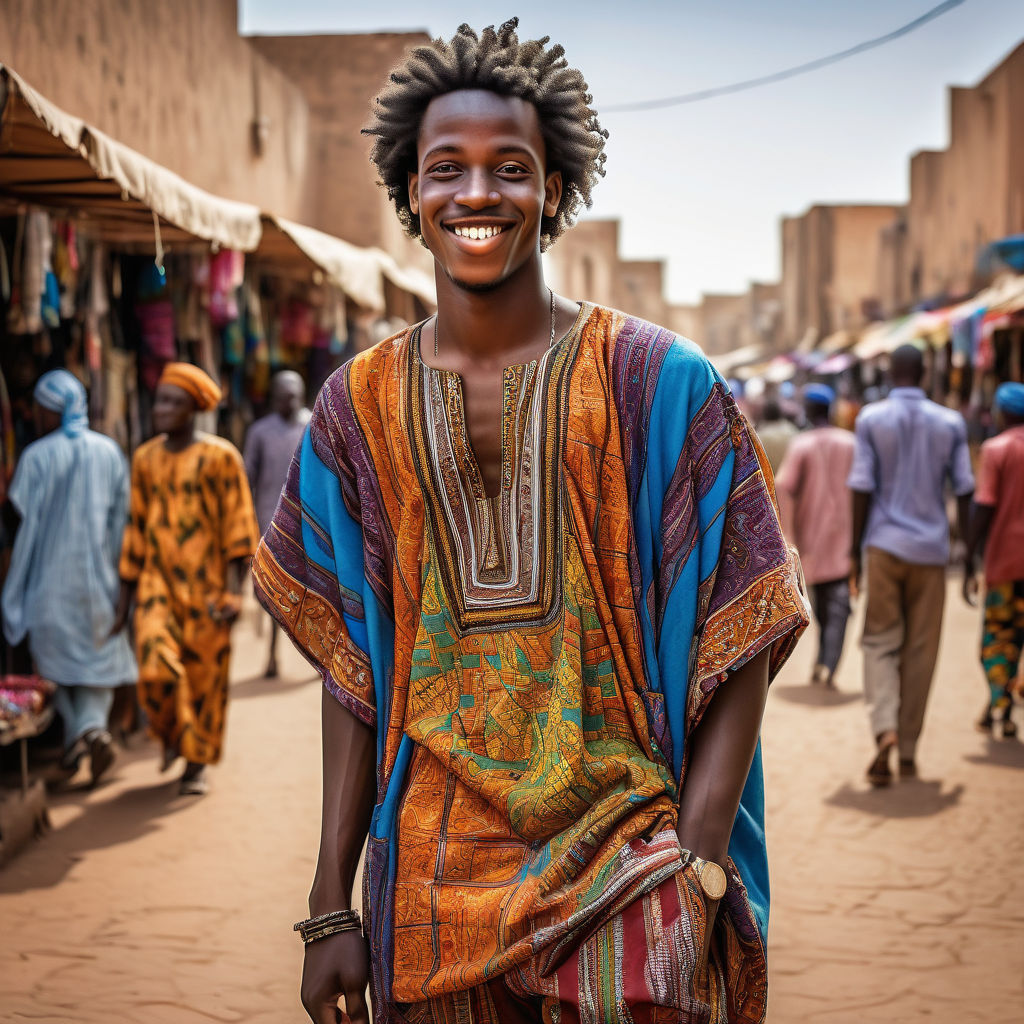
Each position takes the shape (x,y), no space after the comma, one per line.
(977,532)
(963,516)
(349,789)
(861,508)
(721,750)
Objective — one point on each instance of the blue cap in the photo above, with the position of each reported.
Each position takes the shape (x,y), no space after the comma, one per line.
(1010,398)
(821,394)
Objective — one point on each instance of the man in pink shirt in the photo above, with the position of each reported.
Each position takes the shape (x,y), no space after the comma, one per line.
(999,516)
(817,518)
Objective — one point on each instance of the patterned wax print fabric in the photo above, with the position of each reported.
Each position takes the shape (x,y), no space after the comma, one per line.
(62,586)
(532,662)
(1002,639)
(191,514)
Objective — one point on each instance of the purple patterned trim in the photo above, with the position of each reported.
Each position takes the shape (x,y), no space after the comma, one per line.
(639,353)
(341,441)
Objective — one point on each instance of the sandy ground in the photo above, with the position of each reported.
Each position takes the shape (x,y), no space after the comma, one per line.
(899,906)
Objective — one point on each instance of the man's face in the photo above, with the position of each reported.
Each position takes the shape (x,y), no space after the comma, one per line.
(173,409)
(480,189)
(286,398)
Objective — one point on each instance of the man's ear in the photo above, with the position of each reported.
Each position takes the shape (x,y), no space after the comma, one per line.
(552,193)
(414,193)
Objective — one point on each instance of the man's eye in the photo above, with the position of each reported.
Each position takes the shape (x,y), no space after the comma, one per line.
(444,168)
(512,169)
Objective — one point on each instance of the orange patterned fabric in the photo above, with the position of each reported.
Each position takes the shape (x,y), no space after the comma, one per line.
(532,661)
(191,514)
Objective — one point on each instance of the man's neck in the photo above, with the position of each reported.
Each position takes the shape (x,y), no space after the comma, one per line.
(499,325)
(179,440)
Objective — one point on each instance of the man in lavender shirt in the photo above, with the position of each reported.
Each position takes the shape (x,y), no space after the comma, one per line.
(906,449)
(269,447)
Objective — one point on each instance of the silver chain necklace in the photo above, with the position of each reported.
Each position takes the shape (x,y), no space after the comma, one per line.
(551,339)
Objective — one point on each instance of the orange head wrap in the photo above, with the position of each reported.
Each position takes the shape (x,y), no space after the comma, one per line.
(191,379)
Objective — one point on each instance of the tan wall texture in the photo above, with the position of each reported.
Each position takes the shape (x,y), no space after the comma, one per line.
(971,193)
(339,77)
(831,257)
(173,80)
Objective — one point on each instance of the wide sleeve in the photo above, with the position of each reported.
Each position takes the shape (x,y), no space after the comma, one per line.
(133,545)
(725,586)
(751,595)
(308,570)
(239,532)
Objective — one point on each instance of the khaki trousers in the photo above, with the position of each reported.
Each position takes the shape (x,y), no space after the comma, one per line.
(902,625)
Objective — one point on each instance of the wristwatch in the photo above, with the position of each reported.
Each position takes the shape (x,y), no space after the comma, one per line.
(710,876)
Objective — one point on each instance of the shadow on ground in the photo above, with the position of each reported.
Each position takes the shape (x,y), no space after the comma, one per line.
(1001,753)
(261,686)
(911,798)
(815,696)
(122,819)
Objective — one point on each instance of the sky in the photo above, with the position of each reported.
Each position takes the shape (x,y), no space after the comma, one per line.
(704,185)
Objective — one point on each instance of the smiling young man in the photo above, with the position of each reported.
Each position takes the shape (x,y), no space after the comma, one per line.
(533,548)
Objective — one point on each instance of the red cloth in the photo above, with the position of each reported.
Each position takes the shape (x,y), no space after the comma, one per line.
(1001,485)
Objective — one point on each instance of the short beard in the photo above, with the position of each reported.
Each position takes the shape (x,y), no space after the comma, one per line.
(477,289)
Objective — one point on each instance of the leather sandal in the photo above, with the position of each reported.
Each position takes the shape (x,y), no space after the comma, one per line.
(879,772)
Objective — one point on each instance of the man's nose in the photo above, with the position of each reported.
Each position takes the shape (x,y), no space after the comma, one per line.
(476,191)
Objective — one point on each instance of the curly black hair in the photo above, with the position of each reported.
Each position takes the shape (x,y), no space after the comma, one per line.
(499,62)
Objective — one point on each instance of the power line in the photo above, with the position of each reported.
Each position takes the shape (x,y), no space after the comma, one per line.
(778,76)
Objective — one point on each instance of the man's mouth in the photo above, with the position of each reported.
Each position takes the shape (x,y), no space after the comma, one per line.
(476,230)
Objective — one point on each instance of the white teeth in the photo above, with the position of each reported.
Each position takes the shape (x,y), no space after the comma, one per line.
(485,232)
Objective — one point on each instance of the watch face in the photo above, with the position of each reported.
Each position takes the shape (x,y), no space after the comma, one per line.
(712,880)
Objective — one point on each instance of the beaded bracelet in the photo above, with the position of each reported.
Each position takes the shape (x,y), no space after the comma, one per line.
(314,928)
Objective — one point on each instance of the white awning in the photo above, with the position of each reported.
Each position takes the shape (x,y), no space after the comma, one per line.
(52,158)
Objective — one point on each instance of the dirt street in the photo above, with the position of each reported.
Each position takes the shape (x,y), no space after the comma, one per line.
(905,905)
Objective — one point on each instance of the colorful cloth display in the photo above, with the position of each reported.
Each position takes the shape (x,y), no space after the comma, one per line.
(533,661)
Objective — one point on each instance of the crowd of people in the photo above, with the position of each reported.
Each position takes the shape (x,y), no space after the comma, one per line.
(166,545)
(868,512)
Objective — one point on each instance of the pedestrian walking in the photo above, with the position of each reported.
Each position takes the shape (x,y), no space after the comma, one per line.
(191,532)
(997,525)
(775,432)
(907,448)
(817,516)
(510,528)
(270,446)
(71,492)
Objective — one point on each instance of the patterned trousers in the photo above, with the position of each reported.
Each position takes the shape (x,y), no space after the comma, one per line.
(643,966)
(1002,639)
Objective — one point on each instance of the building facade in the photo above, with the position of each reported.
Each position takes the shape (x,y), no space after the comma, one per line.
(272,121)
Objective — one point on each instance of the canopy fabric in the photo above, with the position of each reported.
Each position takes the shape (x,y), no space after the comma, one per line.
(357,272)
(53,158)
(726,362)
(360,273)
(410,279)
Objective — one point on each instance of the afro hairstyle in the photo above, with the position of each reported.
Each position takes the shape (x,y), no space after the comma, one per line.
(499,62)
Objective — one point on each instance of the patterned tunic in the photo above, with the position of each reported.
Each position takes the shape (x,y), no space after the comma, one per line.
(533,661)
(191,514)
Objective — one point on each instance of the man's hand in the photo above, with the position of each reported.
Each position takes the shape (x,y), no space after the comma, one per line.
(711,907)
(333,967)
(970,587)
(855,576)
